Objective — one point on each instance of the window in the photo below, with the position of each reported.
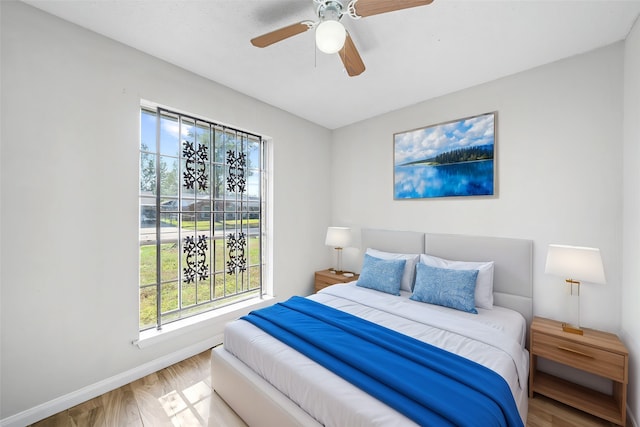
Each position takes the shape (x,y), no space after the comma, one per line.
(201,216)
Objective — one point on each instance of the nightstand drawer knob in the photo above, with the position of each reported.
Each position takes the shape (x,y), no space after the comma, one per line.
(575,351)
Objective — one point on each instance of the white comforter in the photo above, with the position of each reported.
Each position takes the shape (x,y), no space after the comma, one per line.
(493,338)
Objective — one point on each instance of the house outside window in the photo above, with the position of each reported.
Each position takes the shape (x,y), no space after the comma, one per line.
(202,210)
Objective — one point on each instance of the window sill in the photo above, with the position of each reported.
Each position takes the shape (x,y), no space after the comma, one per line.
(180,327)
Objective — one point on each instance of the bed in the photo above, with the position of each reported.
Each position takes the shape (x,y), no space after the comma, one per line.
(270,384)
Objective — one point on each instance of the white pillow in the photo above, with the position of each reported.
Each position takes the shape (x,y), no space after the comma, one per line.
(409,273)
(484,282)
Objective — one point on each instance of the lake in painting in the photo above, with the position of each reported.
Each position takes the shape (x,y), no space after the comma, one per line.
(456,179)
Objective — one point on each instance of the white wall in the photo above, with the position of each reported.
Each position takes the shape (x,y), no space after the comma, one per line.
(559,161)
(70,134)
(631,215)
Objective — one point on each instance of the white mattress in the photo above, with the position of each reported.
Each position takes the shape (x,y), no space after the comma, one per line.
(494,338)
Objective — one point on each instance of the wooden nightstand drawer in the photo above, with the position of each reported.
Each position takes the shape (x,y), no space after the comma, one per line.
(586,358)
(325,281)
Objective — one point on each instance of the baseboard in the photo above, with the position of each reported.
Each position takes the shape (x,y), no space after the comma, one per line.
(74,398)
(630,419)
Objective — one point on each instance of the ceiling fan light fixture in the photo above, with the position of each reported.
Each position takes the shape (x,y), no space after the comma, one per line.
(330,36)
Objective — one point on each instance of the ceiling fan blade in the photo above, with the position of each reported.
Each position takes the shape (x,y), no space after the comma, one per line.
(351,58)
(364,8)
(280,34)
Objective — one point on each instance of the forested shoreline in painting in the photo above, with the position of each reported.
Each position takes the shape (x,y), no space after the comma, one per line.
(459,155)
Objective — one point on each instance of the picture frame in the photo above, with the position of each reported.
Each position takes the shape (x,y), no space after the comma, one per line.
(449,159)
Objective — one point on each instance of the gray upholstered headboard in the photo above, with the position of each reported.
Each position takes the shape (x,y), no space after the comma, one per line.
(513,273)
(406,242)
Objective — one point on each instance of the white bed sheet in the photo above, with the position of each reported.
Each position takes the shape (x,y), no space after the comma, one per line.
(334,401)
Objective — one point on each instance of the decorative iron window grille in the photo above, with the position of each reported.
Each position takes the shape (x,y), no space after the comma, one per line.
(201,216)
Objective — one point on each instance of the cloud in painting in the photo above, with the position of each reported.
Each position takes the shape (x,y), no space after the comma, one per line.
(428,142)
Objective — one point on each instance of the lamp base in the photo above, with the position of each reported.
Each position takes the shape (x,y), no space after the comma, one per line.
(343,272)
(572,329)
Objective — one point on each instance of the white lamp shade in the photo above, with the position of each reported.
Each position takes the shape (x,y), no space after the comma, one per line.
(575,262)
(330,36)
(338,237)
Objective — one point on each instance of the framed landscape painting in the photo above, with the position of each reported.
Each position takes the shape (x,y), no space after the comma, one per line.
(446,160)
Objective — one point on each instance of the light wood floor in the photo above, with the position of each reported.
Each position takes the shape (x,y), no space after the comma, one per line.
(181,395)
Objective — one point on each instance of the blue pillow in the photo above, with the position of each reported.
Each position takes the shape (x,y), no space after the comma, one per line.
(449,288)
(383,275)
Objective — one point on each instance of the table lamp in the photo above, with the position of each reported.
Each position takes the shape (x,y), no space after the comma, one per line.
(575,264)
(338,238)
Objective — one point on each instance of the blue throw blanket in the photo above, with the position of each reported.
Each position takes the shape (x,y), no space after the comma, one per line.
(429,385)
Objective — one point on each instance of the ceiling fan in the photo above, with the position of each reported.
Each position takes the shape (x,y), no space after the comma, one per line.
(331,36)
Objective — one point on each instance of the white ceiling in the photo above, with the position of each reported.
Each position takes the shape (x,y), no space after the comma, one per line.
(411,55)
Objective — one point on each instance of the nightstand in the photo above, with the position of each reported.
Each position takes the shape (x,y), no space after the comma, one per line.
(326,278)
(597,352)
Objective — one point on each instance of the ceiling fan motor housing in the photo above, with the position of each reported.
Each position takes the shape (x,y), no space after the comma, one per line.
(330,10)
